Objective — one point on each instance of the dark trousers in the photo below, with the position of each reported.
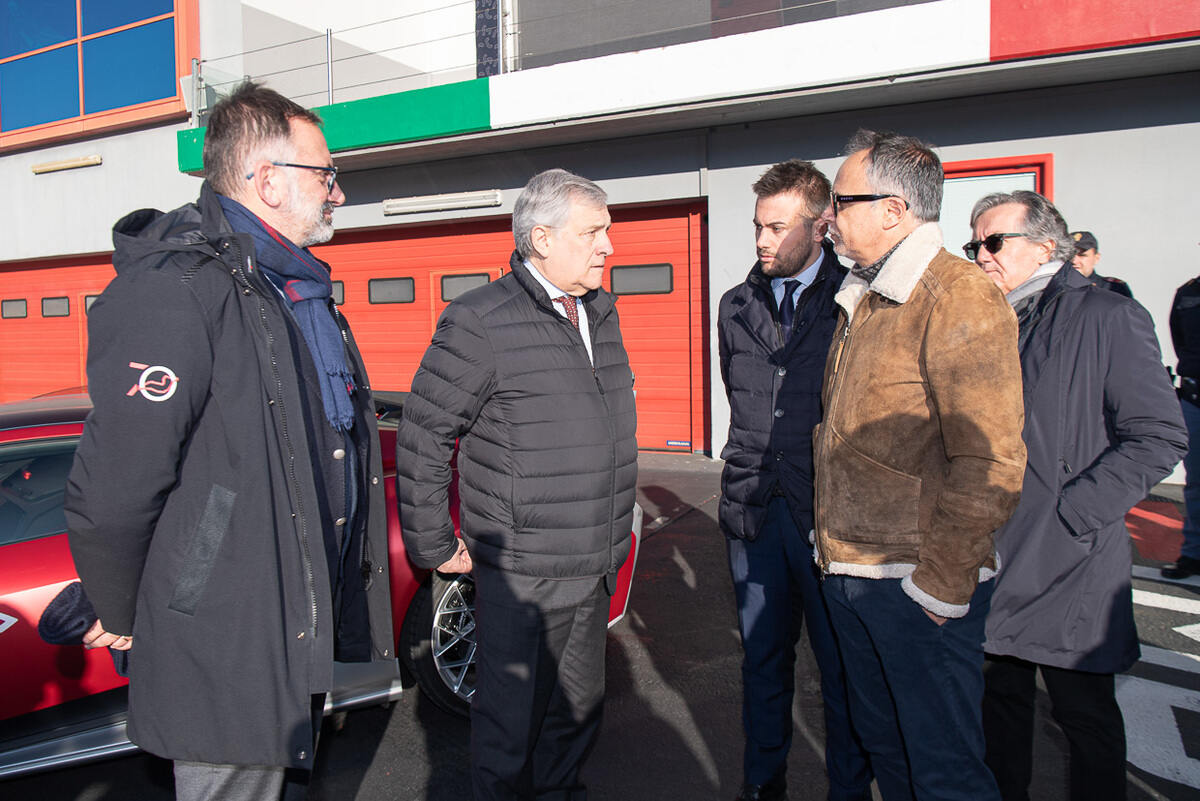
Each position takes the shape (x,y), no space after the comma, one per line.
(915,689)
(539,689)
(1191,487)
(1084,706)
(777,587)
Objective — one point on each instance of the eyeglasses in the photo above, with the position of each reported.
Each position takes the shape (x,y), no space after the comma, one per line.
(837,201)
(992,242)
(330,177)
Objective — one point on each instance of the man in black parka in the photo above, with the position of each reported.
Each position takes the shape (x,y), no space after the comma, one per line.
(774,331)
(225,507)
(1102,427)
(529,374)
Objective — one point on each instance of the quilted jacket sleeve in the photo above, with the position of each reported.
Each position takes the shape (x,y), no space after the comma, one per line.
(456,377)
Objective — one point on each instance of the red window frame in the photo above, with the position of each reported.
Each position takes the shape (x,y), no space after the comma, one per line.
(1041,165)
(187,47)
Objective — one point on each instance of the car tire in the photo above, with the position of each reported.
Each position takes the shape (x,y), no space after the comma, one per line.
(437,641)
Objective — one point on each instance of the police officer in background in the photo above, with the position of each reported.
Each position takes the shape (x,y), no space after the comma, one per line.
(1087,254)
(1185,336)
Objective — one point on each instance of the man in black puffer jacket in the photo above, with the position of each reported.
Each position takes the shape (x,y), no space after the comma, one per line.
(774,331)
(530,375)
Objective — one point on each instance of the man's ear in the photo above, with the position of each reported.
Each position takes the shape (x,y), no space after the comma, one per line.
(893,212)
(820,229)
(539,237)
(1046,251)
(268,183)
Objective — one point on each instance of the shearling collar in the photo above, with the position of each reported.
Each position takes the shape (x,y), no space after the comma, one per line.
(899,274)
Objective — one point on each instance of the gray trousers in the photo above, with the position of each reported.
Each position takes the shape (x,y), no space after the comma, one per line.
(203,781)
(206,781)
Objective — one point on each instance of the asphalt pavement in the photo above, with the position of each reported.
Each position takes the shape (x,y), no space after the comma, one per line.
(672,727)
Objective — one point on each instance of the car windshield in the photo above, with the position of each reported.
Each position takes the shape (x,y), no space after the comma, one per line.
(33,478)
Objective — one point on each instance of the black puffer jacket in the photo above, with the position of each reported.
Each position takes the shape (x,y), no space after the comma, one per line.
(192,506)
(547,458)
(1102,426)
(774,394)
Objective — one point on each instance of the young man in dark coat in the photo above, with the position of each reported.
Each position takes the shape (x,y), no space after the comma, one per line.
(774,331)
(226,508)
(1102,426)
(530,376)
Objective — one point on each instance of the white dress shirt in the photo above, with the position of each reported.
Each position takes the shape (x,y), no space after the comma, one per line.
(555,292)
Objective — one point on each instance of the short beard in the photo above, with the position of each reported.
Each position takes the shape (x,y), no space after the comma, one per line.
(782,269)
(320,231)
(316,231)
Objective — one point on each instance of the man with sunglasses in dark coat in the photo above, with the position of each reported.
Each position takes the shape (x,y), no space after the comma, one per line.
(1102,427)
(774,331)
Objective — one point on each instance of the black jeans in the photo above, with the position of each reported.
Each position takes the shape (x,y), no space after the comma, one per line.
(1083,704)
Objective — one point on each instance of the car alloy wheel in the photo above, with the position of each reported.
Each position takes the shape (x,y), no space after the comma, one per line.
(438,641)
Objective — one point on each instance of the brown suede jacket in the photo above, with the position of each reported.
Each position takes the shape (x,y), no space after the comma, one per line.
(919,457)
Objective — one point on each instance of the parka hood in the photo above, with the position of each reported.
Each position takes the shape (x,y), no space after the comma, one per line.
(147,237)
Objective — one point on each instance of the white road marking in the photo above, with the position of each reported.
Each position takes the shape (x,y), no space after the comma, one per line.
(1152,574)
(1170,602)
(1170,659)
(1151,732)
(1192,631)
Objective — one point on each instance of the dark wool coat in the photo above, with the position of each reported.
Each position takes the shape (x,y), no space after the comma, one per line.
(192,506)
(1102,426)
(774,391)
(1185,328)
(547,457)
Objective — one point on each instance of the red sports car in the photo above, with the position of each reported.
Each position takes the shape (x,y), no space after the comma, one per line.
(62,704)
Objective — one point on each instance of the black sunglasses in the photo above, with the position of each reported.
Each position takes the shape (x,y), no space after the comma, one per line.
(992,242)
(837,201)
(330,172)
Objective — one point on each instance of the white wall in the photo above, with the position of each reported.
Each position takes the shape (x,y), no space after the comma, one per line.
(72,212)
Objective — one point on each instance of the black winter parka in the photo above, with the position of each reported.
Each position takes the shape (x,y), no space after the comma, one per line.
(1102,427)
(547,457)
(774,392)
(192,505)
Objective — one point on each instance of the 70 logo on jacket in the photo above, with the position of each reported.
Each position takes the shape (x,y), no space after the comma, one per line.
(156,383)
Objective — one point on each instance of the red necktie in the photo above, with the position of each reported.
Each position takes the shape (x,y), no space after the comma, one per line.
(570,307)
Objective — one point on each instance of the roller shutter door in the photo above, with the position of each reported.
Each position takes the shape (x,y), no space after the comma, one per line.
(43,323)
(394,283)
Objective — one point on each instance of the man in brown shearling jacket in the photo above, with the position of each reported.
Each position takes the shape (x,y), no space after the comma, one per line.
(918,460)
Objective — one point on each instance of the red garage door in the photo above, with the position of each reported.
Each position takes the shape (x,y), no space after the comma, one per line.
(395,283)
(43,323)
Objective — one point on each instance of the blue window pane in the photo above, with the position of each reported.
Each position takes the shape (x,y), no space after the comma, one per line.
(129,67)
(41,88)
(31,24)
(100,15)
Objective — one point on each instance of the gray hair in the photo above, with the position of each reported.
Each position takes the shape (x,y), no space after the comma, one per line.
(243,127)
(1042,220)
(546,200)
(902,165)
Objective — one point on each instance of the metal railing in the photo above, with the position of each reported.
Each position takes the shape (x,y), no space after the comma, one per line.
(454,40)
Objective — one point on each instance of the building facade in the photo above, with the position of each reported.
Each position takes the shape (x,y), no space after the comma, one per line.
(437,114)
